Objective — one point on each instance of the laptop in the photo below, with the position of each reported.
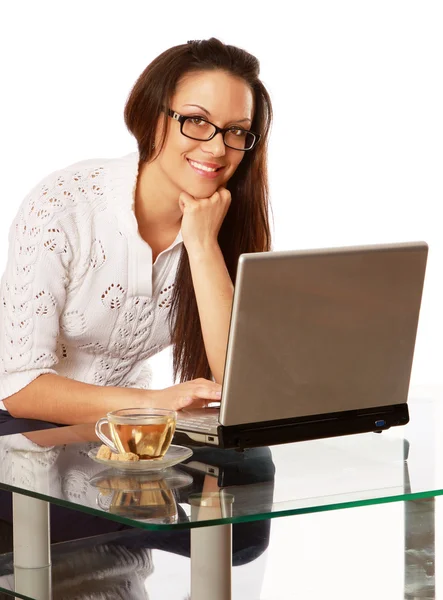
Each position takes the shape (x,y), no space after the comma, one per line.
(321,344)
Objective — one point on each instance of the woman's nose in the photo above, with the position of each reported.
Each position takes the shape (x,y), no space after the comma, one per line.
(215,146)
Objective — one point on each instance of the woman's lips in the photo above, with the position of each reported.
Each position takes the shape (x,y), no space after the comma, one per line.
(202,172)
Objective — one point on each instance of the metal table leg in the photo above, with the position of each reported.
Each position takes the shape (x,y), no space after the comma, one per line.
(32,550)
(211,562)
(211,547)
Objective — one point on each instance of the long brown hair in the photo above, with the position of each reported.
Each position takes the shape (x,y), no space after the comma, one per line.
(246,225)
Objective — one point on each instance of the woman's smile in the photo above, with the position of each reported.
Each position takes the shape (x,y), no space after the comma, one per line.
(205,169)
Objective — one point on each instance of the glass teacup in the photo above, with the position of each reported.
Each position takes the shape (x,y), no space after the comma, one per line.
(147,432)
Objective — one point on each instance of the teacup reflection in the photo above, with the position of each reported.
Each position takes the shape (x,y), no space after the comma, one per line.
(146,497)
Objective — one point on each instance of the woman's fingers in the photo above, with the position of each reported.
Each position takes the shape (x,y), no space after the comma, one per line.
(190,402)
(185,199)
(200,397)
(197,393)
(207,393)
(204,394)
(207,383)
(203,403)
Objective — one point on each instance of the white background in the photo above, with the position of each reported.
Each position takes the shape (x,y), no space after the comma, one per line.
(356,152)
(357,146)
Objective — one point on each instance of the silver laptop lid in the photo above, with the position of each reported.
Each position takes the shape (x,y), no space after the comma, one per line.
(322,331)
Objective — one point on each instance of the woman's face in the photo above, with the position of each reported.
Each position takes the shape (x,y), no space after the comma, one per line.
(217,97)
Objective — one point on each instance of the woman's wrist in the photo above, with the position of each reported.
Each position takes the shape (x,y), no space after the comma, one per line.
(145,398)
(203,252)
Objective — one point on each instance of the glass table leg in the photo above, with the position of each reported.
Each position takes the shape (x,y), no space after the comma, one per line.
(32,551)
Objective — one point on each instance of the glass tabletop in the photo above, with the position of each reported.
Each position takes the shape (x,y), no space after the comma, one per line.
(219,486)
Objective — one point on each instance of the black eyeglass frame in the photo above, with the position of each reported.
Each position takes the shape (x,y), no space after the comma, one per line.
(183,118)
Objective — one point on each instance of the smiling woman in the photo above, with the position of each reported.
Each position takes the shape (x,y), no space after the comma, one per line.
(113,260)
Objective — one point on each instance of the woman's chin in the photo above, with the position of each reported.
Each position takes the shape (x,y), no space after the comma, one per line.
(201,191)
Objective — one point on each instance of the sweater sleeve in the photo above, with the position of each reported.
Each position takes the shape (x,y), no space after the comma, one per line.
(33,289)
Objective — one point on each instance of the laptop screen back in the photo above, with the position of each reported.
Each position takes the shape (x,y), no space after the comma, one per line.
(322,331)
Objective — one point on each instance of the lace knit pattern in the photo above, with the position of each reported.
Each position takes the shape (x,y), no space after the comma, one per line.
(80,296)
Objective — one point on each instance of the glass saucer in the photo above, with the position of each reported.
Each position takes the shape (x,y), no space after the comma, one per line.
(174,455)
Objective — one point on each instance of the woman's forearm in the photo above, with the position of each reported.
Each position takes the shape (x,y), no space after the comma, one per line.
(61,400)
(214,293)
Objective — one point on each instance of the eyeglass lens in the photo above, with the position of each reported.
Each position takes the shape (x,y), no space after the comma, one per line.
(202,130)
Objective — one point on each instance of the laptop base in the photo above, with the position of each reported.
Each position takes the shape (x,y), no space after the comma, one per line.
(284,431)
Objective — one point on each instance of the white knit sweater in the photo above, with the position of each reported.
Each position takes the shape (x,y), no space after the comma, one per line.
(80,296)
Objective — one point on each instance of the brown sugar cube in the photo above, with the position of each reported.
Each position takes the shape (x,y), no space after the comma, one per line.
(104,452)
(125,456)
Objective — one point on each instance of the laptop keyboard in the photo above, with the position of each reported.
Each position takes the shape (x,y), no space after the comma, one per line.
(198,421)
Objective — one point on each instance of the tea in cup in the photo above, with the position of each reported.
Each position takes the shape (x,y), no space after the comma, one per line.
(146,432)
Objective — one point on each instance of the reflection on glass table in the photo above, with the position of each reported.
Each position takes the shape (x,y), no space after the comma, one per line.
(147,497)
(107,566)
(227,487)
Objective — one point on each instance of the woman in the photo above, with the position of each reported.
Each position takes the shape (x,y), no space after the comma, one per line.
(113,260)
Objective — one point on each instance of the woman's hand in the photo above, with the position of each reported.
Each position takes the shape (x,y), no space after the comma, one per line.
(203,218)
(193,394)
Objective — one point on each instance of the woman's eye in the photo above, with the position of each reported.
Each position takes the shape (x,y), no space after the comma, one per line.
(197,121)
(238,132)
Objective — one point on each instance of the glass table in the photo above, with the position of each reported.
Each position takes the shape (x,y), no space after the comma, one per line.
(213,492)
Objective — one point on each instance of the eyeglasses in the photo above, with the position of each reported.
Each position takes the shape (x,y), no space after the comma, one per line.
(199,129)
